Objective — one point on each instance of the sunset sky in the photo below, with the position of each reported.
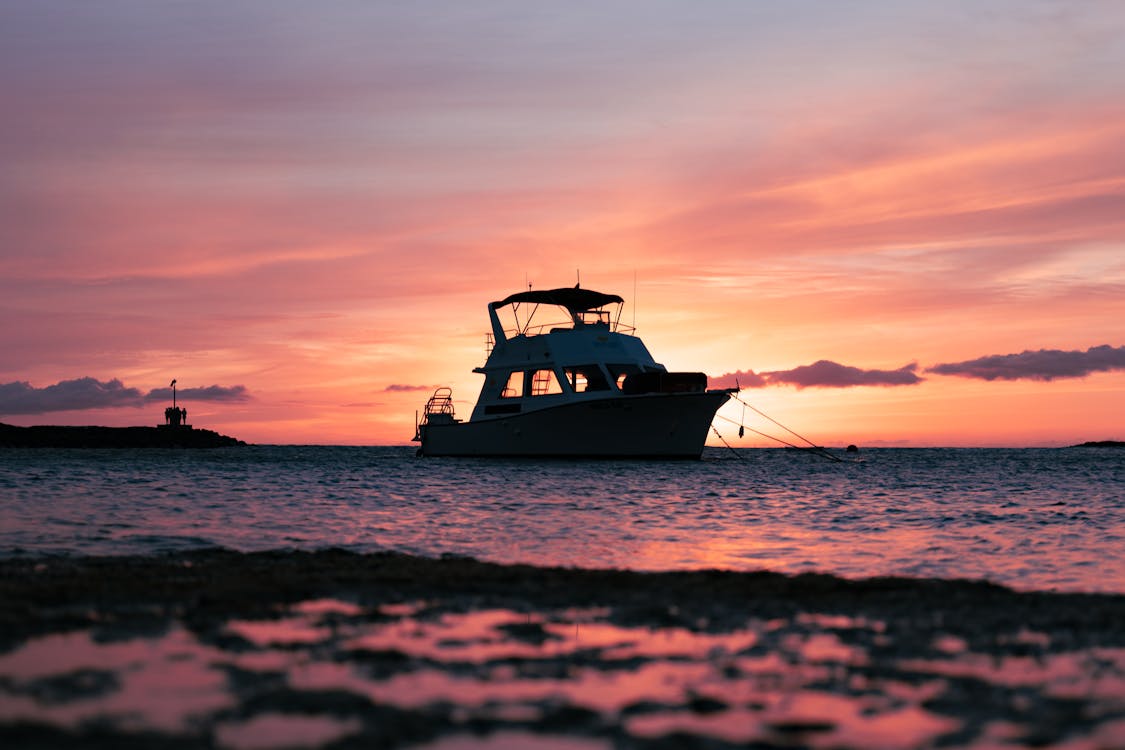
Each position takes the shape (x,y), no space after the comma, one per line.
(899,223)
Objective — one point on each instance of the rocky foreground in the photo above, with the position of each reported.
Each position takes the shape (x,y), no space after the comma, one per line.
(336,649)
(52,436)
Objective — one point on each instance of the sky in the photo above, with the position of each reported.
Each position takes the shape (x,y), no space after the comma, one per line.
(891,223)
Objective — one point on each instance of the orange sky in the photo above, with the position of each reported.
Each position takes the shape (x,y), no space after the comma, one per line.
(316,204)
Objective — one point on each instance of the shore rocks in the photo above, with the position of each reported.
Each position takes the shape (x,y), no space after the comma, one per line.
(51,436)
(216,648)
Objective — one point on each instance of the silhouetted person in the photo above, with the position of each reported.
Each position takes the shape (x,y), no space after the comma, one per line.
(183,415)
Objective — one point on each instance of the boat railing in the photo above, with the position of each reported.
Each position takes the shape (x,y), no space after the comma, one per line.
(545,328)
(438,411)
(440,403)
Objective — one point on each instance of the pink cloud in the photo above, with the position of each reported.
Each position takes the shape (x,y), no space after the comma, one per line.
(1044,364)
(823,374)
(738,379)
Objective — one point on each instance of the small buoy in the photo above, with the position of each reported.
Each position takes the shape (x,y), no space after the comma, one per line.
(852,449)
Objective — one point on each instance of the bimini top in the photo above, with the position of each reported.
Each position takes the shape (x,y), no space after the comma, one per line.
(574,299)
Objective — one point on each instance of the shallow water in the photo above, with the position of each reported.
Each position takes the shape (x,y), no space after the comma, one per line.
(1030,519)
(419,675)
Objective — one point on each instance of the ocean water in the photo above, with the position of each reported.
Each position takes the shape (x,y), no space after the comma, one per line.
(1032,519)
(95,652)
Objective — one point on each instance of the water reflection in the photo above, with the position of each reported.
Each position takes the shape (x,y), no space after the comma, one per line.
(273,730)
(165,683)
(415,674)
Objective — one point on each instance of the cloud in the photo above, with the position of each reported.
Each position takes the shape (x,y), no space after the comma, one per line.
(738,379)
(218,393)
(66,395)
(401,388)
(1045,364)
(828,374)
(823,374)
(21,397)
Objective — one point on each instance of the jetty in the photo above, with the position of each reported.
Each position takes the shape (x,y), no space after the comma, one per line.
(58,436)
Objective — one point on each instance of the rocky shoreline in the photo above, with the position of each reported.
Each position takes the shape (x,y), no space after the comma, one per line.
(339,649)
(52,436)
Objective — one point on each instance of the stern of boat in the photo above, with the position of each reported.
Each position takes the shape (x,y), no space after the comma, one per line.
(437,411)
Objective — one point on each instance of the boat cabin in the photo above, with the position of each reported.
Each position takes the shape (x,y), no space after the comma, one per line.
(546,359)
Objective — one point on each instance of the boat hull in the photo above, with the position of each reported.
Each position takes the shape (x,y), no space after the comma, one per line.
(656,425)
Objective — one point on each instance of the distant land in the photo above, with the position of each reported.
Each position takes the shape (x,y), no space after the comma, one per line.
(1101,444)
(51,436)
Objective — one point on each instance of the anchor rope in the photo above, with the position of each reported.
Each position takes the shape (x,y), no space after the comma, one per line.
(728,445)
(812,447)
(763,434)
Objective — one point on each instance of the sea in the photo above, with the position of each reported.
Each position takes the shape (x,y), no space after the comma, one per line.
(1050,519)
(115,633)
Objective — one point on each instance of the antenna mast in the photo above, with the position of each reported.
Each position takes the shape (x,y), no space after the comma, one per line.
(634,300)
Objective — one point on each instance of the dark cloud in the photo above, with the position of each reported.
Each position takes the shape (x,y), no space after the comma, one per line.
(210,393)
(90,393)
(66,395)
(1045,364)
(823,374)
(399,387)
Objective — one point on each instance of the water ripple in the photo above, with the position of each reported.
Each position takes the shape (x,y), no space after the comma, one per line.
(1036,518)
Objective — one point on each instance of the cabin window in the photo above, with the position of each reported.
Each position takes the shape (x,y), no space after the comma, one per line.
(586,378)
(594,317)
(620,372)
(514,387)
(545,383)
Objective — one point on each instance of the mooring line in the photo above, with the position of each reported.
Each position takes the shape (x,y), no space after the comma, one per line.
(720,437)
(759,432)
(813,447)
(815,450)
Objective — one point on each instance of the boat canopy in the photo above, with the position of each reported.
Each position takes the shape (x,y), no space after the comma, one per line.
(574,299)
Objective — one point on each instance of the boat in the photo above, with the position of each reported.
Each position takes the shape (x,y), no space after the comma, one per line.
(570,380)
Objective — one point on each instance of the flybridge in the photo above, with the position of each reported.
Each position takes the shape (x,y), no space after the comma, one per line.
(584,306)
(572,298)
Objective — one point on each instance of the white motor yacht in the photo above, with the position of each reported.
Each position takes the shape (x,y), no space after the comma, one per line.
(576,386)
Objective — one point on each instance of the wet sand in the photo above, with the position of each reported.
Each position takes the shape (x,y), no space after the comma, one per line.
(337,649)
